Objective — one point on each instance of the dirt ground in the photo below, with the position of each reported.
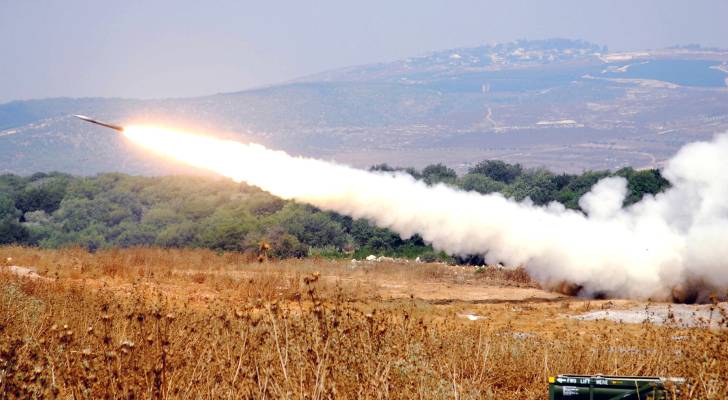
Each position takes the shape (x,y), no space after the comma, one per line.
(398,329)
(456,291)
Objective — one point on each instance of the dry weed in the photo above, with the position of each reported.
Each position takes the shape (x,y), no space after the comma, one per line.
(286,334)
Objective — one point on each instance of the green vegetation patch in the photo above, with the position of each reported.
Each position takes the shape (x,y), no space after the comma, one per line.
(116,210)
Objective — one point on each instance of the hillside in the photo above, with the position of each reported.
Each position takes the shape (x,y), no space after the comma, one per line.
(567,105)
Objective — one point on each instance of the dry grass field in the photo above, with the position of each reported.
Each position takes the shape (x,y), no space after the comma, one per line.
(154,323)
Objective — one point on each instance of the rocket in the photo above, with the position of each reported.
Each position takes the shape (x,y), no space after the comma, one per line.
(106,124)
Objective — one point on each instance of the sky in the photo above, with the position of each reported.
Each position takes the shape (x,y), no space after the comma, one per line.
(183,48)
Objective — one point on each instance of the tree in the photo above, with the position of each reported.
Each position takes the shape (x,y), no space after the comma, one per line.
(161,216)
(413,173)
(497,170)
(562,180)
(481,184)
(438,173)
(228,229)
(227,235)
(186,234)
(11,231)
(75,215)
(11,184)
(43,195)
(92,238)
(130,234)
(374,239)
(123,206)
(283,244)
(642,182)
(536,184)
(384,167)
(262,204)
(311,227)
(577,186)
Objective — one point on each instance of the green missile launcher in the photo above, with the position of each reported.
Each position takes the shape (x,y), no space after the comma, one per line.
(599,387)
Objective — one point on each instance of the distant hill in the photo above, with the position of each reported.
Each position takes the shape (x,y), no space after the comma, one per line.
(568,105)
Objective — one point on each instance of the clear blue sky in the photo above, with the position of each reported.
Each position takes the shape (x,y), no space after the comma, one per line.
(149,49)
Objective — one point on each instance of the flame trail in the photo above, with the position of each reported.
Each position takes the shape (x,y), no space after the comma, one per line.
(671,240)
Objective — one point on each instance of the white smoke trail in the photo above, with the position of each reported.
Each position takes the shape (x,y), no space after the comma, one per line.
(670,240)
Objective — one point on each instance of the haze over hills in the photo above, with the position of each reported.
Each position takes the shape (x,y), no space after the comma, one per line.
(564,104)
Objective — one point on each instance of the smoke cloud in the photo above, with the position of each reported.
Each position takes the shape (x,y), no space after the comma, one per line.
(665,245)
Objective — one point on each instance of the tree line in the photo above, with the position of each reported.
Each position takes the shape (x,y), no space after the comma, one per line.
(116,210)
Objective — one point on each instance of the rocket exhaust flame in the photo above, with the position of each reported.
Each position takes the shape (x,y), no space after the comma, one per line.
(667,241)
